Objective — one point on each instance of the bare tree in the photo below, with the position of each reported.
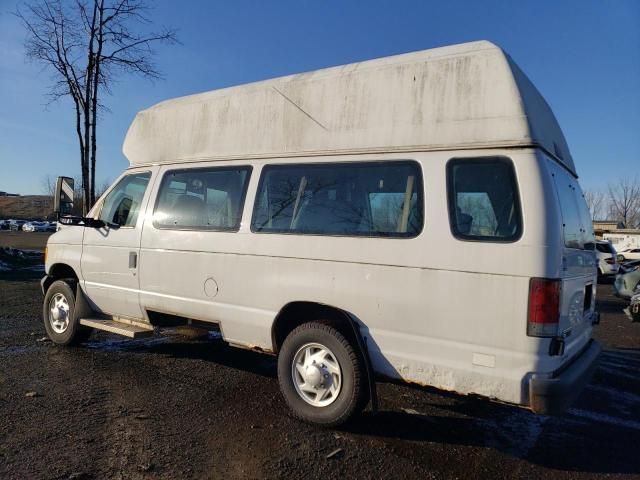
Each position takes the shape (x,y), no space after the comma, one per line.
(48,185)
(87,44)
(624,197)
(48,188)
(104,186)
(597,203)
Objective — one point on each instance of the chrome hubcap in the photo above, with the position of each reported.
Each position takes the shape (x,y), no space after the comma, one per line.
(316,374)
(59,313)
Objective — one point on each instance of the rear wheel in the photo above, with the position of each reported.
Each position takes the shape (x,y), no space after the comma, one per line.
(58,314)
(321,375)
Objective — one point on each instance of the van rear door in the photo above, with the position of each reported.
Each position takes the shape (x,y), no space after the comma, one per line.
(578,273)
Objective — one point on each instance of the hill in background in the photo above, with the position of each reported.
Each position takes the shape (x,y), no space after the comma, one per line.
(26,207)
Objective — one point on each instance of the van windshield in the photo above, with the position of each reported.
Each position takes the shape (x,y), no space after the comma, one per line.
(576,218)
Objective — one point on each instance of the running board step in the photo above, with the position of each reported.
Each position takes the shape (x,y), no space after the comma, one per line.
(125,329)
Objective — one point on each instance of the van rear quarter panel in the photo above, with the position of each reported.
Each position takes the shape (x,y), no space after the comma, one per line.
(436,310)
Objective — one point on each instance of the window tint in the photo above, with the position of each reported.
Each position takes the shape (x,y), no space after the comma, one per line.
(483,199)
(202,198)
(363,199)
(122,205)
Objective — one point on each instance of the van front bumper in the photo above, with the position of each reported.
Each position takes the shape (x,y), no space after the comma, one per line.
(552,395)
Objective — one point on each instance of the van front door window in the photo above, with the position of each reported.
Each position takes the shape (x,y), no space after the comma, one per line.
(122,204)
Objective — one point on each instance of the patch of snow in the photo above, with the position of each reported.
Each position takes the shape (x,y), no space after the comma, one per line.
(623,355)
(516,431)
(616,372)
(617,396)
(602,418)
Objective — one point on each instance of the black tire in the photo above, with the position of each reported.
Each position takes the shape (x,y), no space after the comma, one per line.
(74,333)
(352,395)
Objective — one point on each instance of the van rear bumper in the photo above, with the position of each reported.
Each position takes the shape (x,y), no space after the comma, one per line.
(552,395)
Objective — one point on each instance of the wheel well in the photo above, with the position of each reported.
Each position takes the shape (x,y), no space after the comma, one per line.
(295,314)
(59,271)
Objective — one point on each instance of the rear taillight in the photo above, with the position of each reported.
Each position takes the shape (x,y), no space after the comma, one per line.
(611,261)
(544,307)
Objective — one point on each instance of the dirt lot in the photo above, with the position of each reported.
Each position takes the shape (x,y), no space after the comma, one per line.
(173,407)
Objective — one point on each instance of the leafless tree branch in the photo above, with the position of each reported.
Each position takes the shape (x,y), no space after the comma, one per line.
(624,198)
(87,44)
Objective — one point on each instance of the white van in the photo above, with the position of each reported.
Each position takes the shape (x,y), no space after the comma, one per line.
(416,217)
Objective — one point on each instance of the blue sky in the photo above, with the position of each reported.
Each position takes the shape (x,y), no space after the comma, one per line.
(584,56)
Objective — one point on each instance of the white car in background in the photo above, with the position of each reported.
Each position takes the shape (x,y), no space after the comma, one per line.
(607,258)
(629,254)
(35,227)
(16,225)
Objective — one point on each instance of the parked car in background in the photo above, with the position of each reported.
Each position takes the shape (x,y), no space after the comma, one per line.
(629,266)
(629,254)
(16,225)
(626,283)
(4,224)
(35,227)
(607,258)
(633,311)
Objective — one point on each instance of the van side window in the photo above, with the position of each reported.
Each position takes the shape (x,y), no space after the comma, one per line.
(374,199)
(483,199)
(202,198)
(122,205)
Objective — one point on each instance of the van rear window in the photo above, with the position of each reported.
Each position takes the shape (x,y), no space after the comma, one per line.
(576,218)
(374,199)
(483,199)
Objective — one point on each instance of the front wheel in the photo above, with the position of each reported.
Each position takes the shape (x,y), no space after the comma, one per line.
(58,314)
(321,375)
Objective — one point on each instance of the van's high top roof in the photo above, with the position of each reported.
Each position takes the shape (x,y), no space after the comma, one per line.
(470,95)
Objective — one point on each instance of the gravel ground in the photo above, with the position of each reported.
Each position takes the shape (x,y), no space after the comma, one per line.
(184,407)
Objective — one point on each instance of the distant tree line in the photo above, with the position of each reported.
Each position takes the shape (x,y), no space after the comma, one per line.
(619,202)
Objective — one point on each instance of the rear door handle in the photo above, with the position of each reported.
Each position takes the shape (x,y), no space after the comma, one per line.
(133,260)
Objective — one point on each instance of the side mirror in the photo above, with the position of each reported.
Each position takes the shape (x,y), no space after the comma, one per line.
(63,198)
